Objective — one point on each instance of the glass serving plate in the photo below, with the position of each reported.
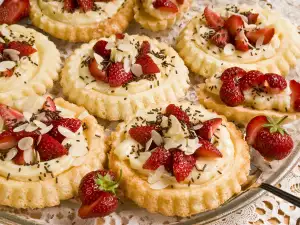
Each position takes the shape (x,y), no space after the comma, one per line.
(128,212)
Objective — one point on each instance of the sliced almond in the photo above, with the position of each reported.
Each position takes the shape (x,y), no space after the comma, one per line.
(109,45)
(125,47)
(25,143)
(156,137)
(27,115)
(29,156)
(137,70)
(20,128)
(31,127)
(164,122)
(198,126)
(12,54)
(260,41)
(126,65)
(98,58)
(66,132)
(5,31)
(37,157)
(83,115)
(229,49)
(7,65)
(161,184)
(11,154)
(39,124)
(148,144)
(39,139)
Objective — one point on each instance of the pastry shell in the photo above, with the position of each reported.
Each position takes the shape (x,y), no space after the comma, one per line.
(186,201)
(239,114)
(50,64)
(82,33)
(154,24)
(50,192)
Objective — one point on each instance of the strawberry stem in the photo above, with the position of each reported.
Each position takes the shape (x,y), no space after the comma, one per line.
(275,126)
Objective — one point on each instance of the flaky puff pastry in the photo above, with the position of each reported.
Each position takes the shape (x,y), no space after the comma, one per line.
(201,60)
(85,32)
(50,191)
(239,114)
(150,22)
(183,201)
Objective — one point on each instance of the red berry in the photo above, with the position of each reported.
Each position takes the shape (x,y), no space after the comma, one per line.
(231,94)
(234,24)
(220,38)
(252,79)
(19,158)
(159,157)
(295,95)
(10,116)
(213,20)
(180,2)
(254,35)
(11,11)
(7,73)
(165,5)
(24,48)
(120,36)
(255,125)
(145,48)
(117,75)
(148,65)
(96,72)
(208,128)
(178,113)
(49,105)
(252,18)
(86,5)
(276,83)
(99,48)
(240,42)
(297,105)
(49,148)
(70,5)
(142,134)
(182,165)
(69,123)
(207,149)
(233,72)
(7,140)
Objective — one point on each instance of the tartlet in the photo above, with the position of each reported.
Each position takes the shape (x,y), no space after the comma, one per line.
(29,63)
(32,176)
(264,39)
(258,98)
(114,77)
(206,157)
(159,14)
(93,20)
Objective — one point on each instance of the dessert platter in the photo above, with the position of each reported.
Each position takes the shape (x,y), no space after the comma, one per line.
(145,111)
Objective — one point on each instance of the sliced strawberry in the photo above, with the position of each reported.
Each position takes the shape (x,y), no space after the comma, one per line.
(240,42)
(252,17)
(295,95)
(86,5)
(275,83)
(49,105)
(117,75)
(267,33)
(182,165)
(159,157)
(214,20)
(255,125)
(233,73)
(180,2)
(10,116)
(19,158)
(104,205)
(178,113)
(231,94)
(69,123)
(7,140)
(207,149)
(165,5)
(120,36)
(49,148)
(2,47)
(70,5)
(145,48)
(7,73)
(148,65)
(34,134)
(96,72)
(234,24)
(252,79)
(141,134)
(99,48)
(24,48)
(11,11)
(220,38)
(208,128)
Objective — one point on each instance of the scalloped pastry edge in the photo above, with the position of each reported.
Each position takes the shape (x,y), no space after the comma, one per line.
(47,193)
(154,24)
(239,114)
(48,71)
(183,202)
(82,33)
(206,65)
(112,107)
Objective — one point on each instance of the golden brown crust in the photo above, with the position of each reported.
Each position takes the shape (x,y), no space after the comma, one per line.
(50,192)
(82,33)
(189,200)
(239,114)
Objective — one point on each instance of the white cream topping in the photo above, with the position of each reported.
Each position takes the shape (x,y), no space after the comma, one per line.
(102,11)
(256,99)
(207,168)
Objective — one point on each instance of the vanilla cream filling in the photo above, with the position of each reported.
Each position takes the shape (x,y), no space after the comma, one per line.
(52,168)
(26,67)
(256,99)
(229,53)
(205,170)
(121,51)
(103,10)
(156,12)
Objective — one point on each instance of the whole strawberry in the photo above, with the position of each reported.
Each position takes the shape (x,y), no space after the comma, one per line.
(97,194)
(178,113)
(271,140)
